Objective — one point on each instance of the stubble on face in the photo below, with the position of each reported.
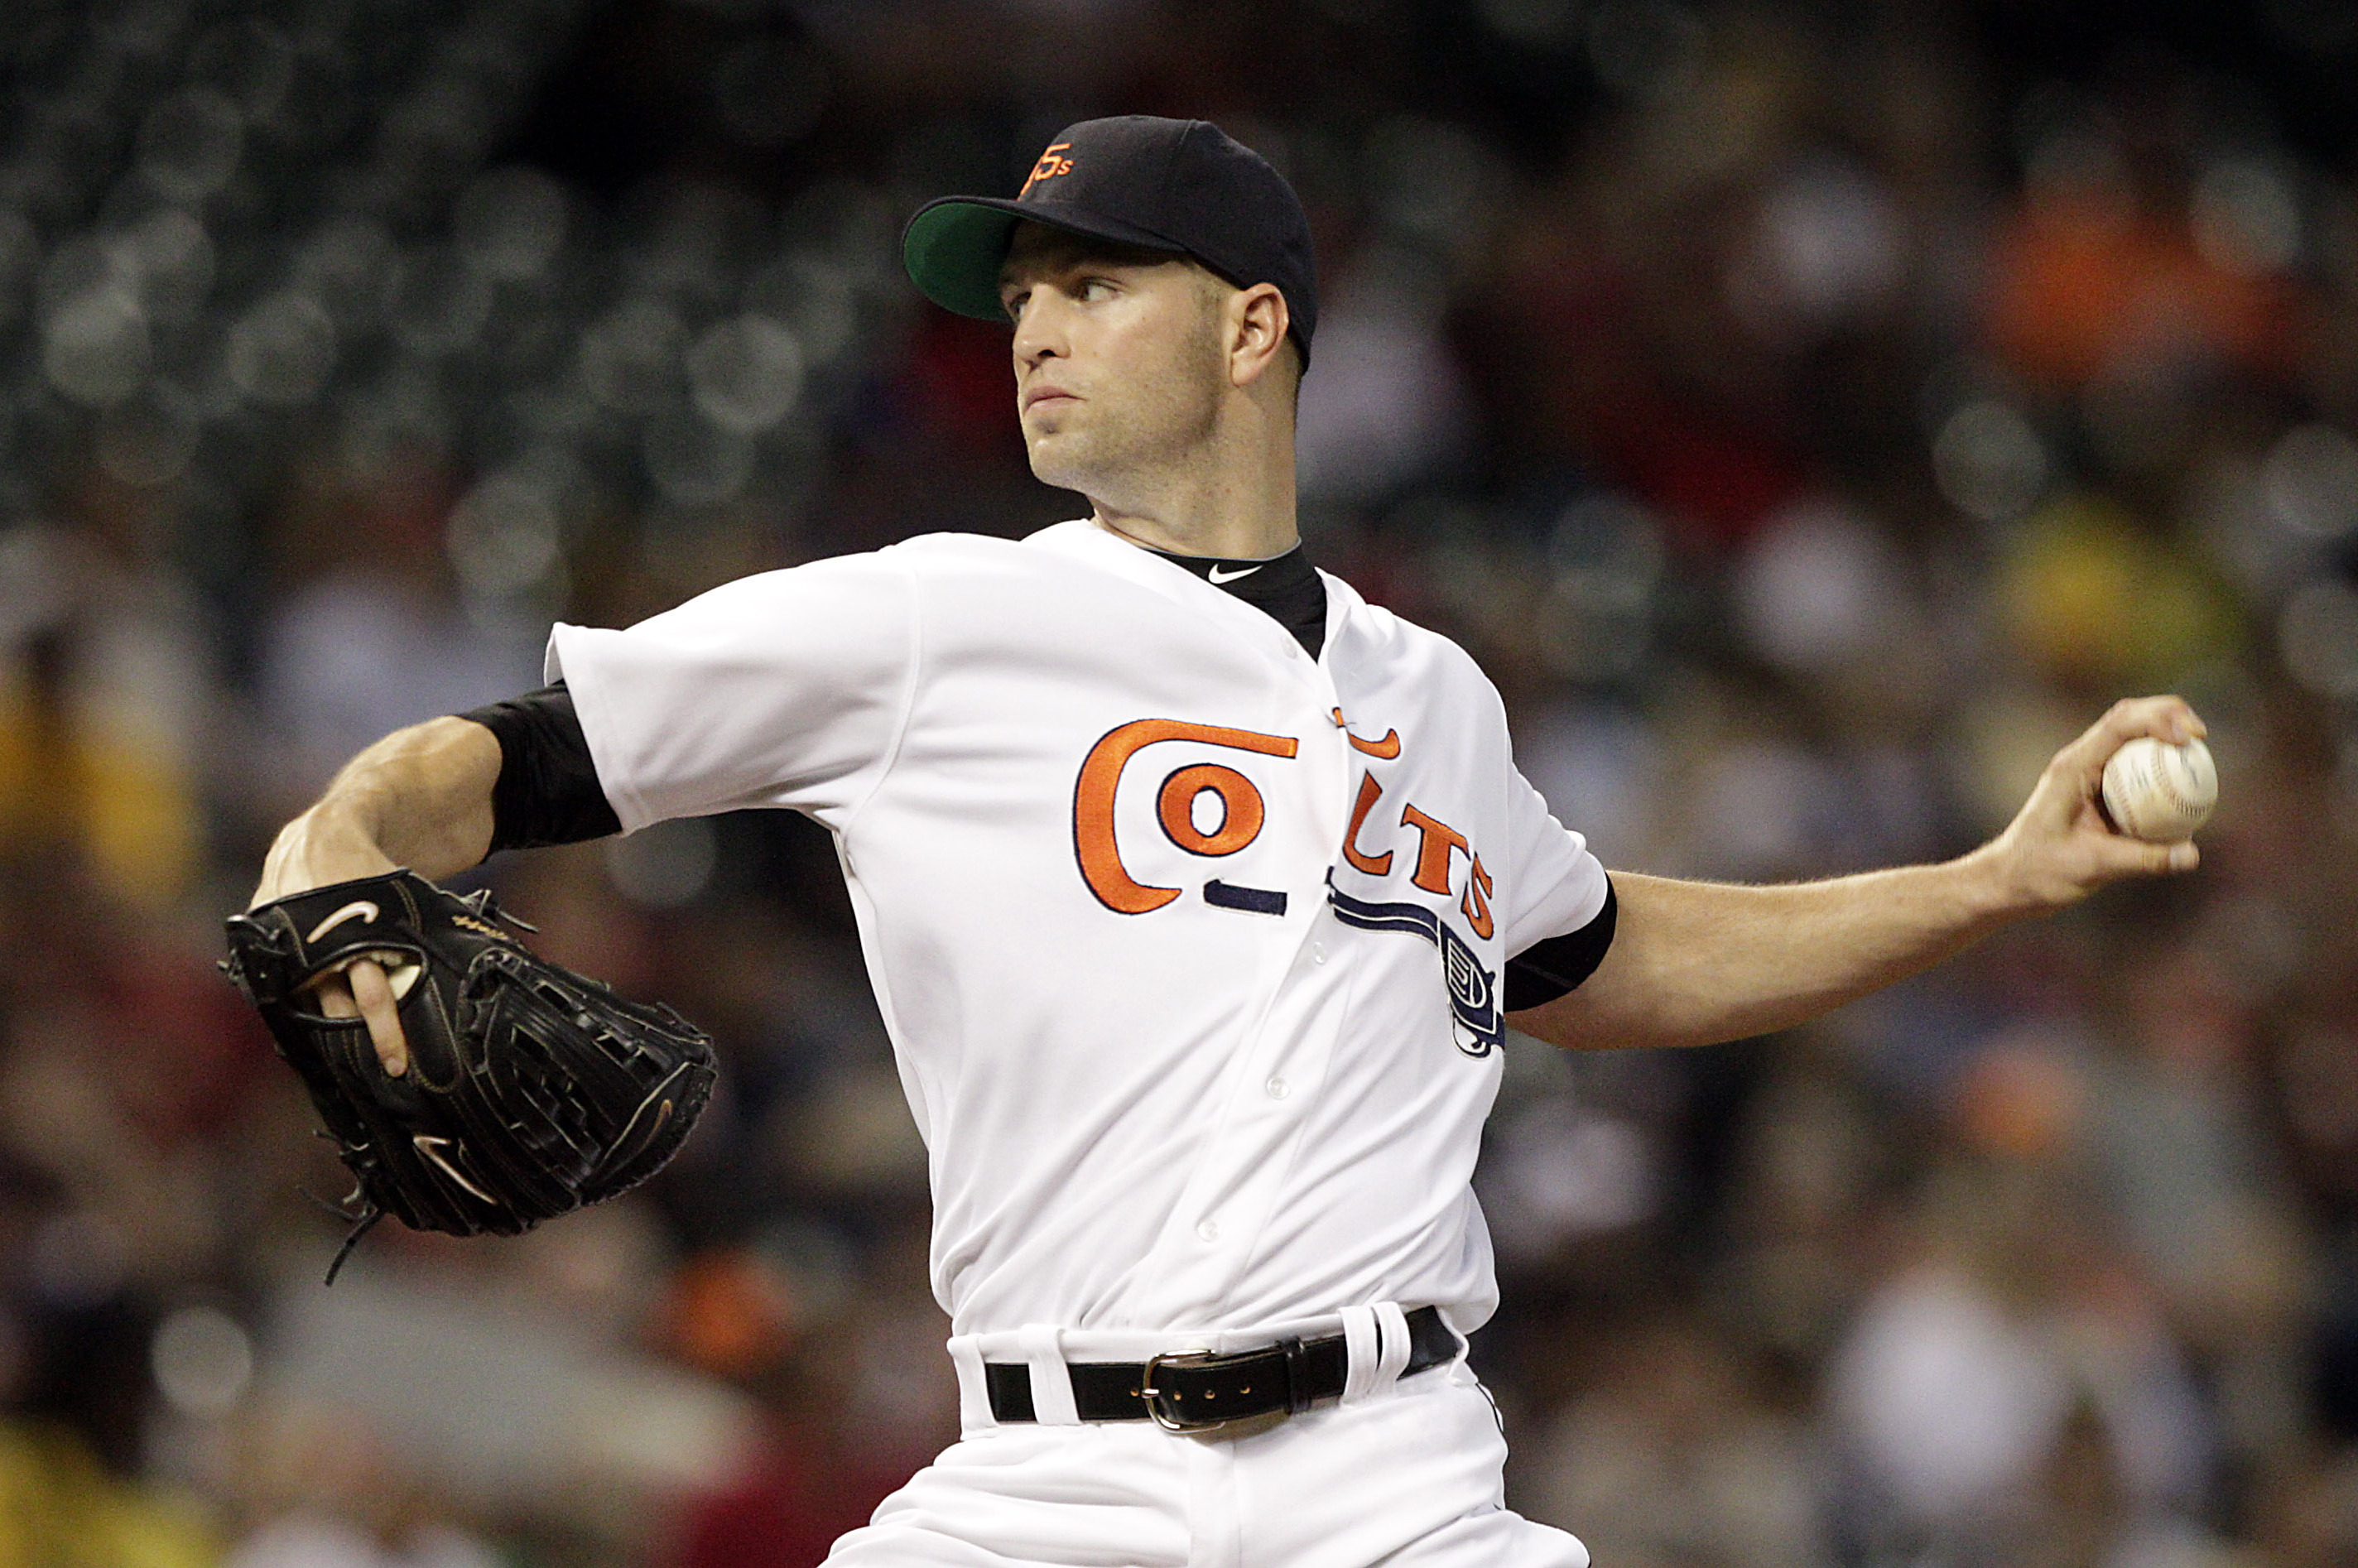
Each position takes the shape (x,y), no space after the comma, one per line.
(1140,354)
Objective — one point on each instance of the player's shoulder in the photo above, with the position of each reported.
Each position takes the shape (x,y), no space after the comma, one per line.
(1050,551)
(1368,633)
(980,575)
(952,549)
(927,555)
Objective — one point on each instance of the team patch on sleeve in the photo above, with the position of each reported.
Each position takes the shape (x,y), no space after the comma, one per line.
(1473,990)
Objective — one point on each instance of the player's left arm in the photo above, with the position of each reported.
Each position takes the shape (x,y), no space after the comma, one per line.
(1695,963)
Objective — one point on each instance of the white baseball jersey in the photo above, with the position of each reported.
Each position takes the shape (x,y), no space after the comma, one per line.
(1189,945)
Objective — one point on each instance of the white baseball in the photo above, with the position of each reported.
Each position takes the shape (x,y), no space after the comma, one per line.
(2159,792)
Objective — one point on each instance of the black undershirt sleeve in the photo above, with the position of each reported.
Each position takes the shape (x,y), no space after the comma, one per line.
(1546,970)
(548,791)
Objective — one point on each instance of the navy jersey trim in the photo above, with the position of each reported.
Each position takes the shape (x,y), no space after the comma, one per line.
(1252,901)
(1473,990)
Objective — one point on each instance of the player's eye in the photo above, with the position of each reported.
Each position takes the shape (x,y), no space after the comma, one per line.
(1015,305)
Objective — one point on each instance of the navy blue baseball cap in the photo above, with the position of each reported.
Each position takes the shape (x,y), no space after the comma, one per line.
(1183,186)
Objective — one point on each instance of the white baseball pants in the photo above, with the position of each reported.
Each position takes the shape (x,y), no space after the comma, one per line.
(1402,1473)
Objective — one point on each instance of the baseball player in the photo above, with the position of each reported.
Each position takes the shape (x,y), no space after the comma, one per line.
(1198,895)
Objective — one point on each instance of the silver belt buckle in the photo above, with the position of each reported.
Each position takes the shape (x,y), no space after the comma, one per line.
(1170,1420)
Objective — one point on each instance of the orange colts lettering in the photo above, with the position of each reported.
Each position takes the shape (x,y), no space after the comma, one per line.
(1435,840)
(1242,812)
(1475,905)
(1436,845)
(1374,865)
(1388,748)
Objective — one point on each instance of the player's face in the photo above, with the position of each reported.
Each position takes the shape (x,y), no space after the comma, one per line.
(1118,364)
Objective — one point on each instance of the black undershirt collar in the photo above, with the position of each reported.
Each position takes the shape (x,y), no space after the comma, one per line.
(1286,587)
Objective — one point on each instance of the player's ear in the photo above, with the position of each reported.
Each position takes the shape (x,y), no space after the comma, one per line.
(1256,321)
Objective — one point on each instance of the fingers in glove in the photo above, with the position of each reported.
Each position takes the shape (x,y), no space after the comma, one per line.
(363,989)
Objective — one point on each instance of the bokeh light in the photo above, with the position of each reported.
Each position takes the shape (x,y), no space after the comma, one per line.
(1809,419)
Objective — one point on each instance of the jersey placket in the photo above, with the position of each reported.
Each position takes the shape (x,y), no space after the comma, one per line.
(1279,1072)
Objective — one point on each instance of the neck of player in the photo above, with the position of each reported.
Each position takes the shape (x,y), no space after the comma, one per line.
(1229,495)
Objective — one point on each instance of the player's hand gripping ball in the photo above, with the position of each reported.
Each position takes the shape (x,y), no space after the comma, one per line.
(2159,791)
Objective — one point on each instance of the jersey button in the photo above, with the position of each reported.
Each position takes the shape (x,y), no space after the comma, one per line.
(1209,1230)
(1278,1088)
(1318,952)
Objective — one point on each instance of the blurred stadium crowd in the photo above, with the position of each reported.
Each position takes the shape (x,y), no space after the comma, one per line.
(1810,415)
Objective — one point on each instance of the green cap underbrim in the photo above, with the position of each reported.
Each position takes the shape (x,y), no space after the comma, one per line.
(954,250)
(953,247)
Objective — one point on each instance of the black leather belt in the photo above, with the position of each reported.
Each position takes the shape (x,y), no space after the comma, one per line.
(1195,1392)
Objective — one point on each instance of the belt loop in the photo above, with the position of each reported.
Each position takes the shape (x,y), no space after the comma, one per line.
(1394,1340)
(1052,1384)
(974,1392)
(1297,1376)
(1360,1345)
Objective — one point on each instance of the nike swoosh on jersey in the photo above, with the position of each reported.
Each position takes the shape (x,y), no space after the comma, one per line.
(1219,577)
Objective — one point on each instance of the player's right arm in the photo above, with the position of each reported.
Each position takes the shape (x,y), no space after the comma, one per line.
(421,798)
(784,689)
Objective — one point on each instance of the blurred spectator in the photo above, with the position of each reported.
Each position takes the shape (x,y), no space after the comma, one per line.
(105,697)
(1673,1459)
(70,1490)
(1810,417)
(378,639)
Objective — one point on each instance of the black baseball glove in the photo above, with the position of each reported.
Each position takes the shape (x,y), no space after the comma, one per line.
(530,1090)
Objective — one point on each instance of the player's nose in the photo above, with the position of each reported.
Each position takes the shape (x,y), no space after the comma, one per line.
(1039,332)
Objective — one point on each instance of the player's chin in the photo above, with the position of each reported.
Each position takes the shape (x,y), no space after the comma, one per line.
(1049,422)
(1059,461)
